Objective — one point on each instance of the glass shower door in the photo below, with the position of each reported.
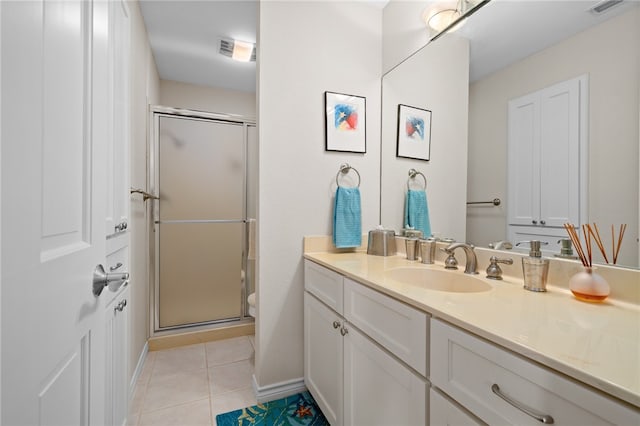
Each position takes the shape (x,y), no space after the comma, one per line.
(201,170)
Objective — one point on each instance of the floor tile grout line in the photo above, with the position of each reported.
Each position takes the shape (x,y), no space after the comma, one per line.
(180,404)
(212,421)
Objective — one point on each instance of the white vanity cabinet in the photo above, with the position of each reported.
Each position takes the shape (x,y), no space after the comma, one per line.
(116,295)
(500,387)
(117,355)
(117,302)
(360,364)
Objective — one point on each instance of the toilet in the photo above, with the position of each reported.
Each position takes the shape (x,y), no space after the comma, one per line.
(252,304)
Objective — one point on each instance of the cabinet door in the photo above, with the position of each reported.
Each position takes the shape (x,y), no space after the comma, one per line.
(560,153)
(323,345)
(378,389)
(524,161)
(546,136)
(443,412)
(117,354)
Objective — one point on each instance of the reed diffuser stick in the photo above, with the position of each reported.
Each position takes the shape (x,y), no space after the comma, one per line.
(587,242)
(575,239)
(613,245)
(623,228)
(596,236)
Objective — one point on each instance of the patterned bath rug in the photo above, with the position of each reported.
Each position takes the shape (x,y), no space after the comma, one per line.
(295,410)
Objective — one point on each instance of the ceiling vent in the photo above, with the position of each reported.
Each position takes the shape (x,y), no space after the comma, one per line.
(603,6)
(227,49)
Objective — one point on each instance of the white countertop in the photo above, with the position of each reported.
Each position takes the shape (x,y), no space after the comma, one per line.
(595,343)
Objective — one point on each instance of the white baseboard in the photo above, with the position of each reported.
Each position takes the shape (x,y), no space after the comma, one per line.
(278,390)
(138,370)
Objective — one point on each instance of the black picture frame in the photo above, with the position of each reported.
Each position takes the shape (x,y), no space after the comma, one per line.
(345,122)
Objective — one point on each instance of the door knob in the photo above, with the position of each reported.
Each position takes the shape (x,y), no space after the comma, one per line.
(101,279)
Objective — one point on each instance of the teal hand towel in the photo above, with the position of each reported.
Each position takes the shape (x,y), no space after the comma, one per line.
(416,212)
(347,222)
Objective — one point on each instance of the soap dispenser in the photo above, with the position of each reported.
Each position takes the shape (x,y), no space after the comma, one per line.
(535,268)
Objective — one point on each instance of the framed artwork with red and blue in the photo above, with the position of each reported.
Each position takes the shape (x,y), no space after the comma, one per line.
(414,133)
(345,122)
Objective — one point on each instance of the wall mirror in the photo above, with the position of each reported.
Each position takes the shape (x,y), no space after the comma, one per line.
(516,48)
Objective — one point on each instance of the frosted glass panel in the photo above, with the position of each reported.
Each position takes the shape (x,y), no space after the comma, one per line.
(201,169)
(200,266)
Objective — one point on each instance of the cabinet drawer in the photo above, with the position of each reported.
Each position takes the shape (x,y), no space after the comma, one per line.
(399,328)
(325,284)
(466,368)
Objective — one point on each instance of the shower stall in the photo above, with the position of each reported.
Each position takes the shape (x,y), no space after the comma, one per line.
(203,168)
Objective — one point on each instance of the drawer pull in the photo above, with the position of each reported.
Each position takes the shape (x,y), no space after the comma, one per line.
(542,418)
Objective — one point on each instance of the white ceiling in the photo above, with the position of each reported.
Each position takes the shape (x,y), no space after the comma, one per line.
(506,31)
(184,37)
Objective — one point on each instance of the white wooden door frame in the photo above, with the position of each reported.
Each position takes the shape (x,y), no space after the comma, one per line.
(0,213)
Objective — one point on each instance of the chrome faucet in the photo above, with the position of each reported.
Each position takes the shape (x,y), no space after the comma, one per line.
(501,245)
(471,266)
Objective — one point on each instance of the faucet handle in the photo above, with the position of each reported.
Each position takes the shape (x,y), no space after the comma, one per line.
(450,262)
(494,271)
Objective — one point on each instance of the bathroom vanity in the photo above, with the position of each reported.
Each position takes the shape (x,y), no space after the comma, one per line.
(386,345)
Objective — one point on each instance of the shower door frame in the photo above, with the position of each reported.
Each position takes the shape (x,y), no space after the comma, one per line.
(153,177)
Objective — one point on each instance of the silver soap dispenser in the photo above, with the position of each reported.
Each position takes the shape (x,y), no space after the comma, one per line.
(535,268)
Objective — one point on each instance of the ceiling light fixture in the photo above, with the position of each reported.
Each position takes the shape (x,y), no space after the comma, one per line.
(440,19)
(242,51)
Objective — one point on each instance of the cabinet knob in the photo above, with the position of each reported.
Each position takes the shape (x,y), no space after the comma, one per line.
(535,222)
(543,222)
(343,331)
(336,324)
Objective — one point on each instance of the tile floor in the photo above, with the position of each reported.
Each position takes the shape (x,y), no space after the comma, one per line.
(190,385)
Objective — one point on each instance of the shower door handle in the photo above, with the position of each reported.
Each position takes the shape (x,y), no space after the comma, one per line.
(101,279)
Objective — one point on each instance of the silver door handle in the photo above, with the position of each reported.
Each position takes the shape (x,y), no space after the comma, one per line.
(101,279)
(542,418)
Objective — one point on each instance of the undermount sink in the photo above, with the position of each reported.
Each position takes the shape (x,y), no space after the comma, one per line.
(439,280)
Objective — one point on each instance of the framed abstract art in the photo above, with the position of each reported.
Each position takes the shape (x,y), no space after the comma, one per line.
(345,122)
(414,133)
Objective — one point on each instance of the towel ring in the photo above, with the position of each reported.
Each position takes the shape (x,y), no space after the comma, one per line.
(344,169)
(412,174)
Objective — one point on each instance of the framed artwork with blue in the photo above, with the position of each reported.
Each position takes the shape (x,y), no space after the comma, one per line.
(345,122)
(414,133)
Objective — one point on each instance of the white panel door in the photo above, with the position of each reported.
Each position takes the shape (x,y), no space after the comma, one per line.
(323,346)
(378,389)
(560,153)
(54,104)
(524,160)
